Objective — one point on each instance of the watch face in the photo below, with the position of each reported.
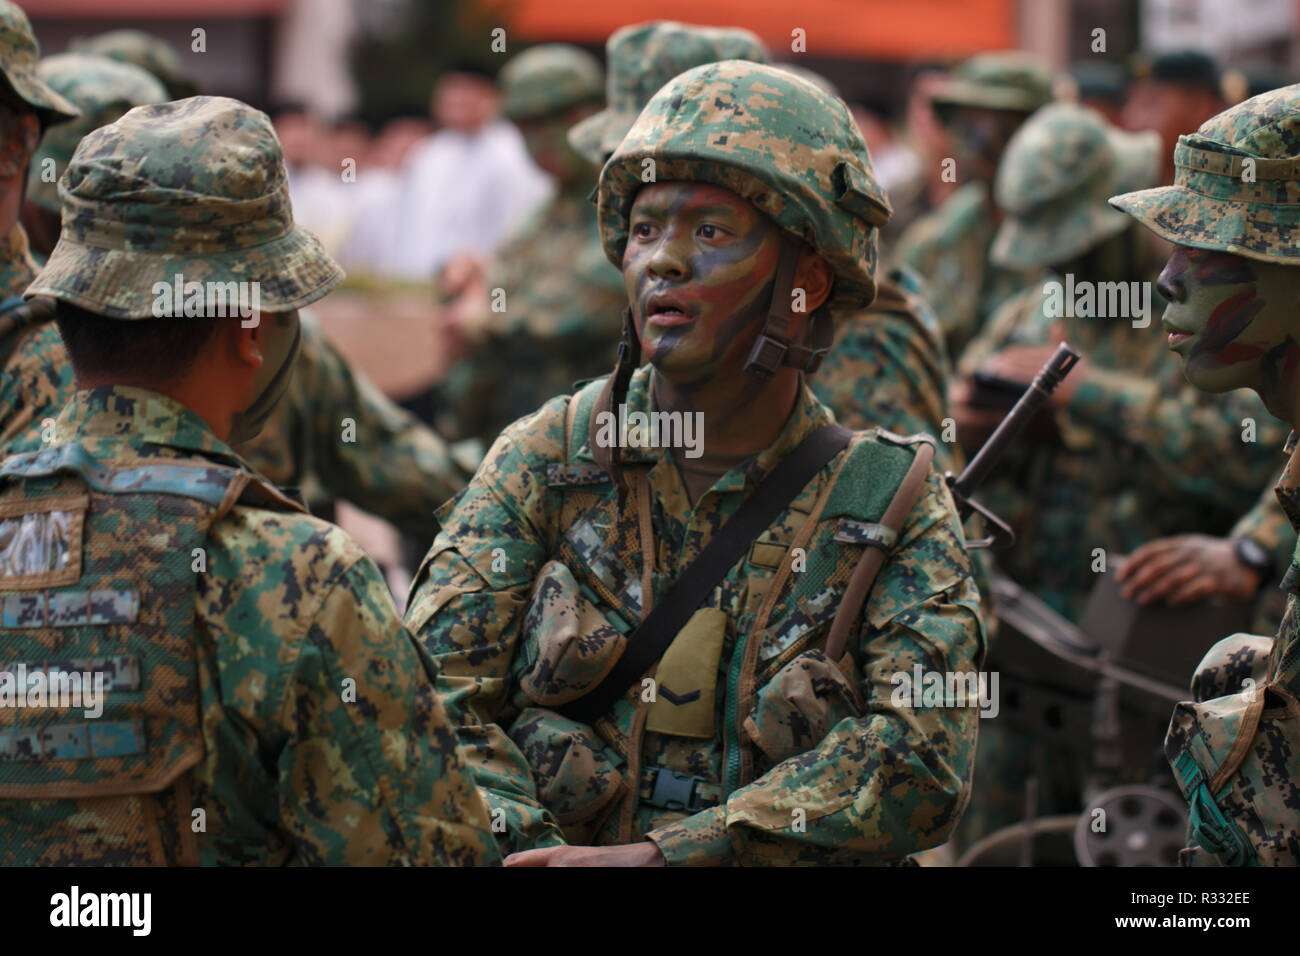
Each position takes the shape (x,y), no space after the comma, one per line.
(1253,554)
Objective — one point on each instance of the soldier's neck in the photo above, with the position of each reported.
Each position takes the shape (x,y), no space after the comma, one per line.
(739,415)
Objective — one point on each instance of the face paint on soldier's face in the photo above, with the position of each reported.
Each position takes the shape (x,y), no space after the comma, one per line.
(280,345)
(547,142)
(699,268)
(1232,320)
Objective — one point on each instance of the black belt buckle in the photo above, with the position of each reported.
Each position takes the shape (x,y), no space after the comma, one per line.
(673,791)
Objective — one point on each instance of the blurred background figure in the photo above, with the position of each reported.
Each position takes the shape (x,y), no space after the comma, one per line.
(465,186)
(1173,94)
(150,53)
(1100,85)
(103,89)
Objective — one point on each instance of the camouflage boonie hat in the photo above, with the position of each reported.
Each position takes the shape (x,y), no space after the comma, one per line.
(150,53)
(193,188)
(103,90)
(19,52)
(1011,80)
(550,78)
(1236,183)
(1058,170)
(641,59)
(772,138)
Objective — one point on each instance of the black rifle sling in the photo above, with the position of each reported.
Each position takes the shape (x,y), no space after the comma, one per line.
(647,643)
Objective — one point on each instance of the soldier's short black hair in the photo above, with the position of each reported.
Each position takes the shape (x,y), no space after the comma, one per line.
(133,350)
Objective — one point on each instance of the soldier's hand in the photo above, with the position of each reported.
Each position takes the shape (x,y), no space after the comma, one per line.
(1187,568)
(975,423)
(1020,363)
(630,854)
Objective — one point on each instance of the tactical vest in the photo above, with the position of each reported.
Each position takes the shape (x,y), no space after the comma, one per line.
(98,565)
(1236,755)
(782,693)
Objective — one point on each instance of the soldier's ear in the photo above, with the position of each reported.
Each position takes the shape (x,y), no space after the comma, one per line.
(22,133)
(815,277)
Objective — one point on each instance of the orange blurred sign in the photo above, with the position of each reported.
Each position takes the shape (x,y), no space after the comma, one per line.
(883,29)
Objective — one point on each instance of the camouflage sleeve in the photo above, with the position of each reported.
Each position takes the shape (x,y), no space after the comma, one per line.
(387,462)
(896,780)
(1219,448)
(370,772)
(884,370)
(1267,524)
(466,606)
(35,382)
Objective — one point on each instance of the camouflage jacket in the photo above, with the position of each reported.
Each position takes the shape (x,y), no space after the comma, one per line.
(559,323)
(888,368)
(1235,751)
(333,434)
(526,596)
(949,248)
(1268,525)
(1142,454)
(322,741)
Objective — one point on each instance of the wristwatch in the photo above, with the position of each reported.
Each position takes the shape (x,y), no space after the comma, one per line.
(1254,556)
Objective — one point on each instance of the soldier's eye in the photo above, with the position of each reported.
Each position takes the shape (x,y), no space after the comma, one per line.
(643,230)
(708,231)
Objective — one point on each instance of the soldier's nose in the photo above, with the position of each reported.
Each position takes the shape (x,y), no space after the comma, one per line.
(1171,287)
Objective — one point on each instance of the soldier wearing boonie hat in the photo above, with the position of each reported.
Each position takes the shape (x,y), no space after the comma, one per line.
(981,104)
(28,107)
(1232,285)
(216,610)
(144,50)
(103,90)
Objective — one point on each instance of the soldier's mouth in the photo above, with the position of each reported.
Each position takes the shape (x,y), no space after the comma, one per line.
(667,310)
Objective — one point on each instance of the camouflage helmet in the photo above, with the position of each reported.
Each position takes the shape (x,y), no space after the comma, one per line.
(1010,80)
(150,53)
(1054,179)
(195,189)
(771,137)
(547,79)
(103,90)
(1236,183)
(19,52)
(642,58)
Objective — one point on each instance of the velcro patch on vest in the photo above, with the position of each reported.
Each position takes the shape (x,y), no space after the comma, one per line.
(121,672)
(865,532)
(568,476)
(40,541)
(77,608)
(82,740)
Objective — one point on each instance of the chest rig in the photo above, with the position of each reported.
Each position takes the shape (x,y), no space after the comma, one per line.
(98,571)
(788,632)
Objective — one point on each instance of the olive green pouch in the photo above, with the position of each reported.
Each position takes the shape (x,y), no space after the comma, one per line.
(686,680)
(797,708)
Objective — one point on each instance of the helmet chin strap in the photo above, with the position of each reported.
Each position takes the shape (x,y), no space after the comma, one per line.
(773,349)
(612,395)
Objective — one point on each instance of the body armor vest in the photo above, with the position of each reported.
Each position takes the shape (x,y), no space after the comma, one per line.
(99,692)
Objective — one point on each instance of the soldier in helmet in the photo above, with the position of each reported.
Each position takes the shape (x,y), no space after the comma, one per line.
(144,50)
(982,104)
(1232,283)
(649,639)
(545,313)
(103,90)
(259,701)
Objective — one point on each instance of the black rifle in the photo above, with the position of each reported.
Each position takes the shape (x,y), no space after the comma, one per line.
(963,486)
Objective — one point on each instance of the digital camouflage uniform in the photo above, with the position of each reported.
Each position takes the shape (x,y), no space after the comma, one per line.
(19,53)
(1235,750)
(557,318)
(334,435)
(1142,454)
(781,754)
(888,367)
(264,703)
(949,247)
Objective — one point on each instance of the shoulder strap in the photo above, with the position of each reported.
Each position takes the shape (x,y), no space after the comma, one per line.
(648,642)
(873,558)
